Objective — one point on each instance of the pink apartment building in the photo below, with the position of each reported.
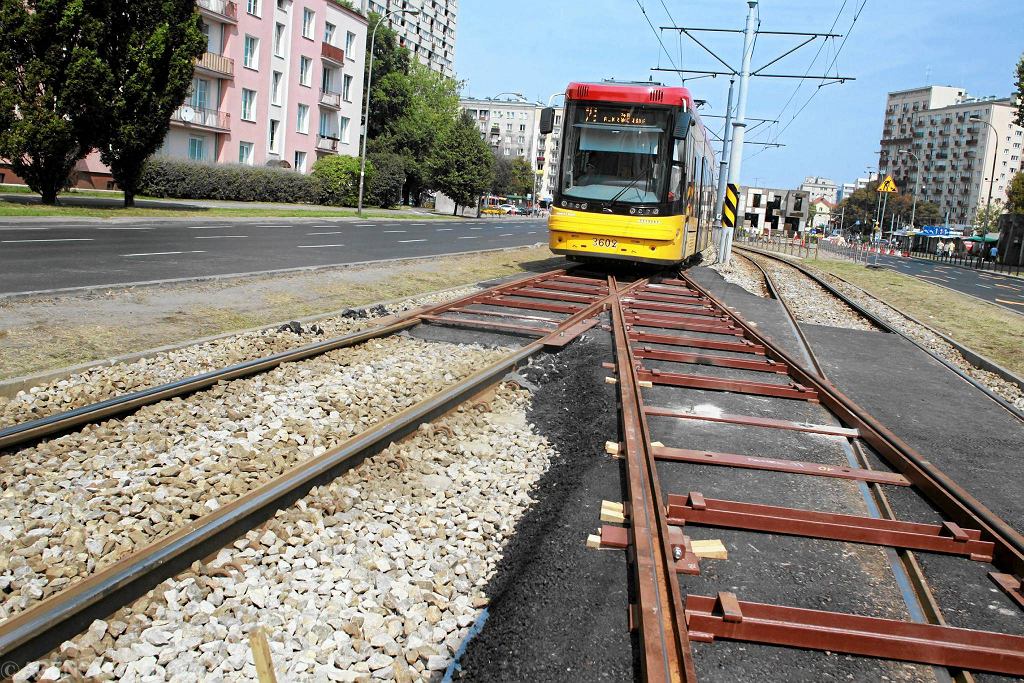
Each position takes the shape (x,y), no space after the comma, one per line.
(281,83)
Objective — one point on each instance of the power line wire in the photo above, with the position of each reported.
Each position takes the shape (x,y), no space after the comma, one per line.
(658,36)
(813,60)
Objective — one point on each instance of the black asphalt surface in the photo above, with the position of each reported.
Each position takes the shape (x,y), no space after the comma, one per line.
(59,254)
(1002,290)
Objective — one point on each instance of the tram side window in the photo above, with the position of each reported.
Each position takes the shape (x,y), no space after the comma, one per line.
(678,176)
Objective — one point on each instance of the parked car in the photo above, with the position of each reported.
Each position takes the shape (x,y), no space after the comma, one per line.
(510,209)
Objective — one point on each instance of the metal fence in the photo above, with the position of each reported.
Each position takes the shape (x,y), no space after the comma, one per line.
(962,259)
(782,245)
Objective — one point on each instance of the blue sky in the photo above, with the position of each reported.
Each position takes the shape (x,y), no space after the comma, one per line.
(537,46)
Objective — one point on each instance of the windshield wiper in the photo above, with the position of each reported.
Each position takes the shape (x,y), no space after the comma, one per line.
(645,174)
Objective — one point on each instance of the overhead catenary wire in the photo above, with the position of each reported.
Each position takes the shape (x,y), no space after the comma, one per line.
(657,35)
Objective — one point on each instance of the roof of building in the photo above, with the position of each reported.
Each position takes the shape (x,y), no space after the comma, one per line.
(822,200)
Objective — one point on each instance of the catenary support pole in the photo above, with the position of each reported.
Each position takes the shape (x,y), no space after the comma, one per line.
(723,164)
(740,124)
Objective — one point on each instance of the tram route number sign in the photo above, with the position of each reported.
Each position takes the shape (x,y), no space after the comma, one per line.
(887,185)
(628,116)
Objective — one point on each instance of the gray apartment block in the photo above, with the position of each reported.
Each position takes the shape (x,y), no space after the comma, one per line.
(430,35)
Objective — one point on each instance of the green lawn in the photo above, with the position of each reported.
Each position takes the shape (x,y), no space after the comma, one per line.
(986,328)
(12,209)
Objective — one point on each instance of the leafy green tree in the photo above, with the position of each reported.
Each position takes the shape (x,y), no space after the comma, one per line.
(49,63)
(1019,118)
(502,183)
(523,178)
(987,216)
(461,164)
(385,185)
(390,88)
(338,176)
(862,206)
(150,50)
(1015,193)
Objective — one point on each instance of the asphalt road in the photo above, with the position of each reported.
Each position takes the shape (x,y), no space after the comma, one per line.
(1001,290)
(59,254)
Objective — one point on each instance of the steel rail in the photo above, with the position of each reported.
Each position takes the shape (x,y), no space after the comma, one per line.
(935,485)
(33,430)
(660,617)
(971,356)
(908,571)
(44,626)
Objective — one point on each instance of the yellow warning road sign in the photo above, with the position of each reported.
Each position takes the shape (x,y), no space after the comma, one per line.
(887,185)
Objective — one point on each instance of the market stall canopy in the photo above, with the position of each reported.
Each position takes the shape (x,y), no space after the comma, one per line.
(988,239)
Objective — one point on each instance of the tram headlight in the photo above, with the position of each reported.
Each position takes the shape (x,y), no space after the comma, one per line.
(655,212)
(563,203)
(632,211)
(583,206)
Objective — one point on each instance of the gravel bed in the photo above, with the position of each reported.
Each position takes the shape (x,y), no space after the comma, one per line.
(108,381)
(71,505)
(377,576)
(810,302)
(743,273)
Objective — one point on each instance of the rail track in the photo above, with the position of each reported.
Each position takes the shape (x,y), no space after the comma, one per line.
(659,325)
(553,308)
(679,322)
(970,356)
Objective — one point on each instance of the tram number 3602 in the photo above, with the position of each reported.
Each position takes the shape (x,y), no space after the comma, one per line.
(611,244)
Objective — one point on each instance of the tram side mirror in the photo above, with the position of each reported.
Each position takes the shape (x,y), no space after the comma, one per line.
(683,124)
(547,120)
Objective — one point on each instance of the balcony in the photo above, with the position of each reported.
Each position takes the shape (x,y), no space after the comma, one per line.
(332,54)
(330,99)
(217,65)
(327,143)
(221,10)
(201,117)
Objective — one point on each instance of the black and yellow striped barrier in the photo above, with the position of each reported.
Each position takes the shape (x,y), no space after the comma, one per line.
(732,195)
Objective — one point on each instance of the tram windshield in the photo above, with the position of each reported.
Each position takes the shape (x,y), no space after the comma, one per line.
(615,153)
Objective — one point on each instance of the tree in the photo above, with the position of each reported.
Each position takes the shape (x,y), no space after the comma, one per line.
(338,175)
(502,183)
(523,178)
(384,187)
(150,51)
(1019,118)
(461,164)
(389,96)
(49,63)
(987,216)
(1015,193)
(862,206)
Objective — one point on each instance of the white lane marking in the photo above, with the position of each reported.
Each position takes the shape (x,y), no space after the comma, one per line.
(532,232)
(59,239)
(471,237)
(217,237)
(407,241)
(165,253)
(417,224)
(20,229)
(209,227)
(394,230)
(507,234)
(476,228)
(445,229)
(124,228)
(985,286)
(318,246)
(366,225)
(336,232)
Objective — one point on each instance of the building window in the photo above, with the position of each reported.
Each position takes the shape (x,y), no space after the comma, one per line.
(302,119)
(248,104)
(245,153)
(329,31)
(197,149)
(346,88)
(279,40)
(275,88)
(343,133)
(199,98)
(253,7)
(350,42)
(275,139)
(305,70)
(250,55)
(300,162)
(281,5)
(308,22)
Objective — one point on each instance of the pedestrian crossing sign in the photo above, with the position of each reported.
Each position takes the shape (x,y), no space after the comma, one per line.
(887,185)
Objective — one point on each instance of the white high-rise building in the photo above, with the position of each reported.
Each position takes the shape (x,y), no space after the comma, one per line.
(510,127)
(820,187)
(954,155)
(429,35)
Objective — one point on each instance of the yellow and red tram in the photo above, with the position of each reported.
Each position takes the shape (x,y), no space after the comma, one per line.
(636,179)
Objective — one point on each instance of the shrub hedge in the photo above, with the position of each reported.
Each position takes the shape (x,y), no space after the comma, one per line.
(179,179)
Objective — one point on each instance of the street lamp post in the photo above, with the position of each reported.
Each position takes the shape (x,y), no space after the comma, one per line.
(366,109)
(995,155)
(917,184)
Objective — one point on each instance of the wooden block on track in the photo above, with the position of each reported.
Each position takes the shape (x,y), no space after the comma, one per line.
(712,549)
